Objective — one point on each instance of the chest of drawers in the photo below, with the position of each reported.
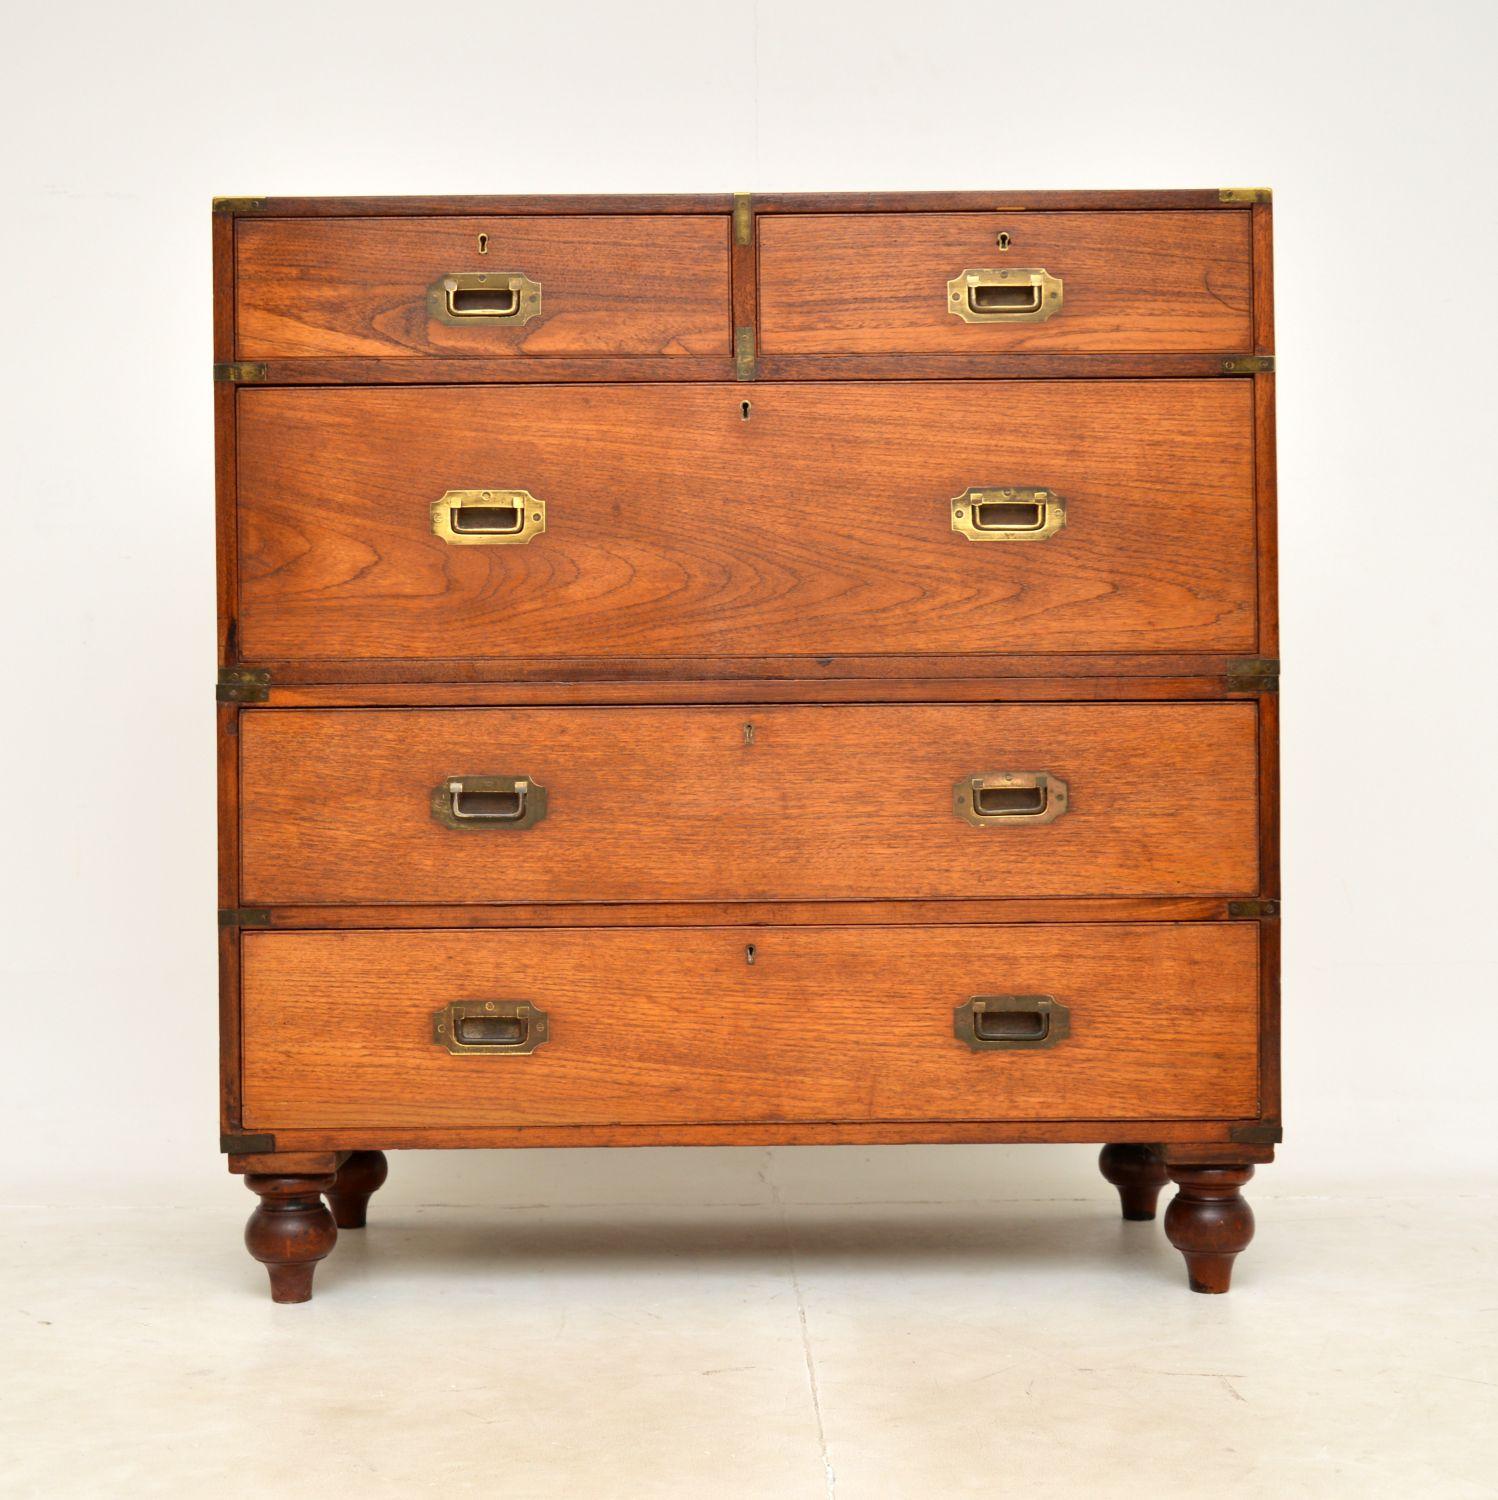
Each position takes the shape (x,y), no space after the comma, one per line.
(745,670)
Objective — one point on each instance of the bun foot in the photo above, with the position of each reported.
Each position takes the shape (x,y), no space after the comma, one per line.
(1138,1174)
(1209,1222)
(290,1231)
(358,1179)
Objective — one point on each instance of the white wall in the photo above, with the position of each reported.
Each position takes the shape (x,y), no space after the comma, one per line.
(1374,123)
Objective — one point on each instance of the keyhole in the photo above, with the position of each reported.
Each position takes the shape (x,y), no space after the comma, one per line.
(483,244)
(744,410)
(1003,241)
(749,952)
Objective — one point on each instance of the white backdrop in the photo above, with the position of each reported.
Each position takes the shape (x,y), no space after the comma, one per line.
(1374,124)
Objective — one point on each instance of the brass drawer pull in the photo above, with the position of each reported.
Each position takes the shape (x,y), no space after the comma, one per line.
(1019,295)
(463,298)
(997,1023)
(1010,799)
(1008,515)
(489,1028)
(470,802)
(488,518)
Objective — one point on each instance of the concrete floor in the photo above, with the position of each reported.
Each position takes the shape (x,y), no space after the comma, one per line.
(781,1350)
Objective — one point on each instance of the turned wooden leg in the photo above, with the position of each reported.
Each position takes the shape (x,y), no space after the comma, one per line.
(359,1178)
(1138,1174)
(290,1231)
(1208,1222)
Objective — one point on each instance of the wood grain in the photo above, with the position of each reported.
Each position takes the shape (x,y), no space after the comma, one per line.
(822,523)
(877,283)
(642,285)
(662,804)
(826,1024)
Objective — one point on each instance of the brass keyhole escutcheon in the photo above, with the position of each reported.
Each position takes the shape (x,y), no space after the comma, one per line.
(1003,241)
(483,244)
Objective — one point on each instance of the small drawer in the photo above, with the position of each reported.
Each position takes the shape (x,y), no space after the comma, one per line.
(482,287)
(755,803)
(677,1026)
(1005,283)
(767,520)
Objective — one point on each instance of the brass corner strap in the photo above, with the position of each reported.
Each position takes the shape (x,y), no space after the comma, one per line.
(1244,195)
(243,685)
(1253,908)
(1254,674)
(1264,1133)
(743,219)
(1249,364)
(241,372)
(246,1145)
(238,205)
(244,916)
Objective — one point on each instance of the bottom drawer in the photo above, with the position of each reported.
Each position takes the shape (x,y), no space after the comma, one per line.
(644,1026)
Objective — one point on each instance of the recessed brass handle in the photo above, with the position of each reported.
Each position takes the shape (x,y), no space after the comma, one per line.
(1013,295)
(1010,799)
(489,1028)
(488,518)
(474,802)
(467,297)
(1000,1023)
(1008,515)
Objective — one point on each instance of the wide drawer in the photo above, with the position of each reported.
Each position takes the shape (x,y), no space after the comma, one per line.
(653,1026)
(745,520)
(750,803)
(486,287)
(919,283)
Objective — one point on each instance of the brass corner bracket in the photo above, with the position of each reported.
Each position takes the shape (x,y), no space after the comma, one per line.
(1267,1133)
(238,205)
(244,916)
(243,685)
(242,372)
(1254,674)
(1253,908)
(1244,195)
(246,1145)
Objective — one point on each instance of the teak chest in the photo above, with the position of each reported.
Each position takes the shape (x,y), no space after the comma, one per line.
(747,670)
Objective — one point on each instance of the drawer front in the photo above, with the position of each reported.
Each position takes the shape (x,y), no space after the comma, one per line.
(649,284)
(674,526)
(895,283)
(750,803)
(652,1026)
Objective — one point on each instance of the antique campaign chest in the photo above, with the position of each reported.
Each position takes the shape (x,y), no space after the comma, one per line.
(744,670)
